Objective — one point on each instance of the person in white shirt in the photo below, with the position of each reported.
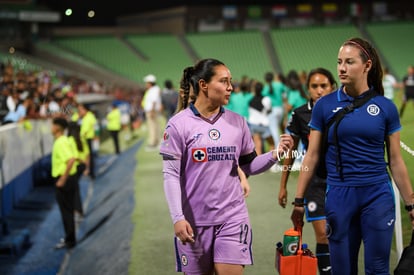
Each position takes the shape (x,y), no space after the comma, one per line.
(152,107)
(389,82)
(259,108)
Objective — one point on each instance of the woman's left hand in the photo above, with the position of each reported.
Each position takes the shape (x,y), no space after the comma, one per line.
(245,187)
(285,144)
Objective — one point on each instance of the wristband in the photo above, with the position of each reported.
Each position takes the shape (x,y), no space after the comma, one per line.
(409,208)
(300,202)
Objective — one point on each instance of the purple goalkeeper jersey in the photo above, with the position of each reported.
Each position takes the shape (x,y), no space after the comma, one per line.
(209,152)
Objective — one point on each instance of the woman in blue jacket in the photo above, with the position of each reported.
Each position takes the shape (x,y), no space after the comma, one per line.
(359,201)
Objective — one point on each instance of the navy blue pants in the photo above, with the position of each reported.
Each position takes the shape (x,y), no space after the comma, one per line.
(364,213)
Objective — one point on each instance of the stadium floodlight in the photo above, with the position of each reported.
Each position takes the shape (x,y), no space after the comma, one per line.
(68,12)
(91,13)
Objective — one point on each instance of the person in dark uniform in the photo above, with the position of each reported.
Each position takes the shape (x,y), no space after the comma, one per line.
(320,82)
(408,85)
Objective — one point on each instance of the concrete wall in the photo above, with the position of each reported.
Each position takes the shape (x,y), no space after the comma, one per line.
(22,146)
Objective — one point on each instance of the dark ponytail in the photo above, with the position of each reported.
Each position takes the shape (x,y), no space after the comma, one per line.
(269,79)
(185,85)
(74,131)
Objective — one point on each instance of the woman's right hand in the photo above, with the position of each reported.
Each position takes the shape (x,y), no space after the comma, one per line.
(282,197)
(184,232)
(297,216)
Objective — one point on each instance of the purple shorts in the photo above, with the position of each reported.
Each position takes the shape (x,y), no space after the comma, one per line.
(228,243)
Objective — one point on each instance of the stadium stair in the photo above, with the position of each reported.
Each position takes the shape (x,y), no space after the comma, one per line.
(23,221)
(15,243)
(271,51)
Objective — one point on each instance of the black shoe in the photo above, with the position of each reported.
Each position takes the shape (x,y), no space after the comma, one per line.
(63,244)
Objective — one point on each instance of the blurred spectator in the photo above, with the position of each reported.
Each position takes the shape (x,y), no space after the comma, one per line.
(67,105)
(114,125)
(303,76)
(408,85)
(390,83)
(137,115)
(259,109)
(152,107)
(87,121)
(240,99)
(124,108)
(44,108)
(53,105)
(3,102)
(12,100)
(20,113)
(53,93)
(276,91)
(296,93)
(169,99)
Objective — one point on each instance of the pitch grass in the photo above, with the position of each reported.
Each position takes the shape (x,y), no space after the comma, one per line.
(152,250)
(407,136)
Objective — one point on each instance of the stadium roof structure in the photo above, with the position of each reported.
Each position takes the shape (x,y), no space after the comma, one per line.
(107,11)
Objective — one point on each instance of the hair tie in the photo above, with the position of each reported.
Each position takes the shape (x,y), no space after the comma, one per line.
(359,46)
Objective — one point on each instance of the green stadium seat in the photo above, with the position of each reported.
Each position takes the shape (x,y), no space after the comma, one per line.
(106,51)
(311,47)
(165,56)
(395,43)
(244,52)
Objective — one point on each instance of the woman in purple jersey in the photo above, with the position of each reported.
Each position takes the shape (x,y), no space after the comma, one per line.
(202,149)
(359,204)
(187,96)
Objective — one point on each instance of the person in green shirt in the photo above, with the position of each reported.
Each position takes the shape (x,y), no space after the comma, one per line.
(240,99)
(64,173)
(114,125)
(276,91)
(297,96)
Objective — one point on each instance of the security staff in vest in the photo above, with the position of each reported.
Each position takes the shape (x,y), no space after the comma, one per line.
(87,121)
(114,125)
(64,173)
